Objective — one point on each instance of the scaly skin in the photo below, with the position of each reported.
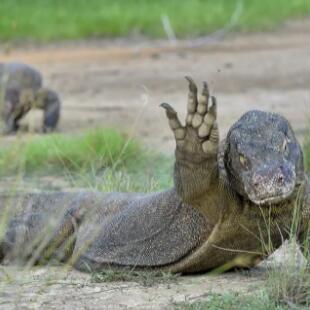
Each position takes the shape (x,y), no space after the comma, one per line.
(232,204)
(21,90)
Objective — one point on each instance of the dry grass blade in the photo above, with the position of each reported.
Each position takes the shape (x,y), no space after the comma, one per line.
(290,286)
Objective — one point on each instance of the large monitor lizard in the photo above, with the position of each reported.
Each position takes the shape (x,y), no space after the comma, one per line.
(20,91)
(232,204)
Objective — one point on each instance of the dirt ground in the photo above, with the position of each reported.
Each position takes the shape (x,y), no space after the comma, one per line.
(120,83)
(54,288)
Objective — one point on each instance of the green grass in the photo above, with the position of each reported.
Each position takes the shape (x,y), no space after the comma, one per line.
(232,301)
(75,19)
(94,149)
(289,286)
(102,159)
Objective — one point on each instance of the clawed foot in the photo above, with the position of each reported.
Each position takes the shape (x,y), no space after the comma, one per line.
(200,136)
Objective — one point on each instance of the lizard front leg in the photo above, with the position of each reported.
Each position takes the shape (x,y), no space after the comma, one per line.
(17,104)
(49,102)
(195,172)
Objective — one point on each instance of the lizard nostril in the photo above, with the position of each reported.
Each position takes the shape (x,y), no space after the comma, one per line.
(256,183)
(280,179)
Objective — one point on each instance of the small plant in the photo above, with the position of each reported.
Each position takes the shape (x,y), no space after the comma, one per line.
(290,286)
(231,301)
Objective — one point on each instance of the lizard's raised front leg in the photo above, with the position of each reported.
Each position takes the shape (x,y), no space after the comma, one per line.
(196,169)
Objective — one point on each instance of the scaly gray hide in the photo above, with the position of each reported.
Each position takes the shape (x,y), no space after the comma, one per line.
(111,229)
(19,76)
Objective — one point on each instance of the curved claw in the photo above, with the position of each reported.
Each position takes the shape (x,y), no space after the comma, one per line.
(192,100)
(192,85)
(174,122)
(170,111)
(213,108)
(205,90)
(203,101)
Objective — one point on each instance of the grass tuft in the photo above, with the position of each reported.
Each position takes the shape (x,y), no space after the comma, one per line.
(231,301)
(290,286)
(94,149)
(101,159)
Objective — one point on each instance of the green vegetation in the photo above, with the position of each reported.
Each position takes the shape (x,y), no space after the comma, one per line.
(74,19)
(95,149)
(290,285)
(232,301)
(101,159)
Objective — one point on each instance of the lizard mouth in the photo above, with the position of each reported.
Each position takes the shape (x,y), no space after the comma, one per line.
(271,199)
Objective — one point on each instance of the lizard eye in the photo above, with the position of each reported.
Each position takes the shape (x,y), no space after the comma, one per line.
(242,160)
(285,146)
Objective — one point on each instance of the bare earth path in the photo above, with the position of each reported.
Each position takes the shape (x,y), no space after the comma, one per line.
(121,83)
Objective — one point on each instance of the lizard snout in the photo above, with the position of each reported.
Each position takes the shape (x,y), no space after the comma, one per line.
(263,177)
(271,183)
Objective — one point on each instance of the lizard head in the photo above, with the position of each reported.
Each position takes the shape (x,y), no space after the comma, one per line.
(263,159)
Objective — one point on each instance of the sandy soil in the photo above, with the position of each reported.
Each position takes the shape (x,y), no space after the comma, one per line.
(121,83)
(63,288)
(54,288)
